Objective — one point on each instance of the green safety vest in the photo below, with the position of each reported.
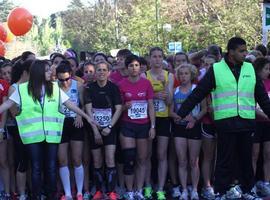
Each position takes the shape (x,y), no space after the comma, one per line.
(39,123)
(231,98)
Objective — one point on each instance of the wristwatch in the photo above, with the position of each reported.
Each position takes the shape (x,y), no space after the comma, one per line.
(109,126)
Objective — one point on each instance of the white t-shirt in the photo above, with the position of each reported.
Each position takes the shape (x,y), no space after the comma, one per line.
(16,97)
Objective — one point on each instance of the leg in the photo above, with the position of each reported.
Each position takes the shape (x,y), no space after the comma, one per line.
(162,147)
(4,169)
(77,149)
(86,162)
(63,167)
(181,153)
(208,147)
(194,147)
(128,146)
(36,155)
(255,155)
(111,170)
(172,163)
(266,158)
(51,169)
(224,170)
(98,171)
(141,159)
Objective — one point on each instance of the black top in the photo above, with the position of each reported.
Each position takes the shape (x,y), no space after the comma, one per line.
(102,97)
(233,124)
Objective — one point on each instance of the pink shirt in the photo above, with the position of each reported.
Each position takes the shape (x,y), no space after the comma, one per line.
(138,93)
(116,77)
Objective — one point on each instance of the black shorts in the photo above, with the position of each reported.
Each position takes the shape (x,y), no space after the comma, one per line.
(181,131)
(208,131)
(262,132)
(70,132)
(107,140)
(138,131)
(163,126)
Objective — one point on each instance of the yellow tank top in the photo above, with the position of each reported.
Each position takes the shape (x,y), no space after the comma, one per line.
(161,107)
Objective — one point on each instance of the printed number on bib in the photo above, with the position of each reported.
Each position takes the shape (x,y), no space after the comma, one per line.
(138,110)
(102,116)
(159,105)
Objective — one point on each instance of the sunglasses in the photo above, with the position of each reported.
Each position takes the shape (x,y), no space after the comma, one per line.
(64,80)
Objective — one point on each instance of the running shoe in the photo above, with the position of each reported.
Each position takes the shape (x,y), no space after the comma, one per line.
(129,196)
(79,197)
(148,191)
(234,193)
(66,198)
(250,196)
(194,195)
(161,195)
(139,195)
(86,196)
(113,196)
(208,193)
(98,195)
(176,192)
(262,189)
(184,195)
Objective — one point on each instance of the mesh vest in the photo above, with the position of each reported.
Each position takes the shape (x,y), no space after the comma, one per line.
(39,123)
(232,98)
(161,108)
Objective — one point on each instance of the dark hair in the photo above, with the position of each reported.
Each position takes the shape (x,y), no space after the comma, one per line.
(143,61)
(259,63)
(55,55)
(18,69)
(123,53)
(214,50)
(100,54)
(75,60)
(26,54)
(262,49)
(179,54)
(132,58)
(156,49)
(234,43)
(64,67)
(5,64)
(37,80)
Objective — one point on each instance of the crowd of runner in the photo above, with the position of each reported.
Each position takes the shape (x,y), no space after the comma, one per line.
(114,128)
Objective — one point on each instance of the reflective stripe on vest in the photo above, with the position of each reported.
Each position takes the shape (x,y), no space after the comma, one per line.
(231,98)
(37,124)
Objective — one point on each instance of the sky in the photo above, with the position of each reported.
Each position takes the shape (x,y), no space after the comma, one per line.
(42,8)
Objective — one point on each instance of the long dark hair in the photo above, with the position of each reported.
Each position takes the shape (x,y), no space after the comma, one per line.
(18,69)
(37,80)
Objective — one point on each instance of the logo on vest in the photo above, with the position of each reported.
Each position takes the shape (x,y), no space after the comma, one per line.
(246,76)
(51,100)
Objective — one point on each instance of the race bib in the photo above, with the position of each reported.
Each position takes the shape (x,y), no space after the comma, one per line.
(138,110)
(103,116)
(159,105)
(67,112)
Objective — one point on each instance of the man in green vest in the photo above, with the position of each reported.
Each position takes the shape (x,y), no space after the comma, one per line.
(235,88)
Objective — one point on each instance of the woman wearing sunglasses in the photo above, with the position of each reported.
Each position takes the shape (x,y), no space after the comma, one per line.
(73,134)
(40,124)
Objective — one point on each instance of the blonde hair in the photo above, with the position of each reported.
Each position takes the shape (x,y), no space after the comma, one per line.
(192,68)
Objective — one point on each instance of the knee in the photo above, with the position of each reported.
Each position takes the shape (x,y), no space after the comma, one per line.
(194,163)
(266,155)
(141,159)
(182,163)
(129,160)
(162,155)
(22,167)
(255,154)
(77,161)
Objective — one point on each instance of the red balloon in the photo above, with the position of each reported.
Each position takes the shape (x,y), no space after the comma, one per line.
(19,21)
(2,49)
(3,33)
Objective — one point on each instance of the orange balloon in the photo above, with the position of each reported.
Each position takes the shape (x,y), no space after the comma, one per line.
(2,49)
(19,21)
(3,33)
(10,36)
